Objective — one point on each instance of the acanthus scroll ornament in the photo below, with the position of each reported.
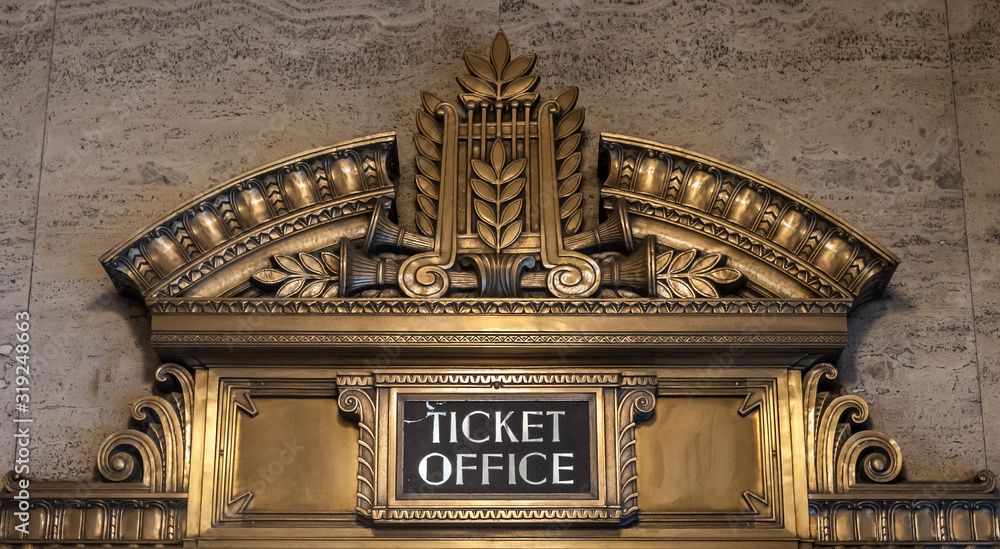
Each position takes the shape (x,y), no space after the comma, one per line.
(837,459)
(157,452)
(857,495)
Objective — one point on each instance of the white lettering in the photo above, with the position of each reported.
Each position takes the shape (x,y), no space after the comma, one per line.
(526,424)
(487,467)
(556,468)
(467,426)
(445,469)
(461,467)
(436,437)
(555,424)
(523,469)
(503,425)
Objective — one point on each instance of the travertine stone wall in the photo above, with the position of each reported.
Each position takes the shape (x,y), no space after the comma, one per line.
(884,112)
(975,31)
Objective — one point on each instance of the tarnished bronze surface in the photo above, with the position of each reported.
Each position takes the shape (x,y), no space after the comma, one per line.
(691,326)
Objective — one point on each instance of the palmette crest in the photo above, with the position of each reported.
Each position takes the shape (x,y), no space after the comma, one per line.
(499,78)
(499,209)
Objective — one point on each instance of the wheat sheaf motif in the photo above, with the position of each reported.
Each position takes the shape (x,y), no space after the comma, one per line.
(429,139)
(568,136)
(498,185)
(499,211)
(499,78)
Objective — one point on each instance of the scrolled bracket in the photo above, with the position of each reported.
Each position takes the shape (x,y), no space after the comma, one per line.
(124,452)
(636,401)
(874,454)
(170,437)
(184,405)
(356,399)
(158,452)
(838,460)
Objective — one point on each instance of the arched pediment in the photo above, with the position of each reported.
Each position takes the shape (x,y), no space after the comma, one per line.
(782,245)
(689,254)
(212,244)
(498,215)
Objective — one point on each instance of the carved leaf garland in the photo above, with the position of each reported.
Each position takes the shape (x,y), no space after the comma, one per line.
(568,138)
(498,186)
(684,276)
(428,141)
(304,276)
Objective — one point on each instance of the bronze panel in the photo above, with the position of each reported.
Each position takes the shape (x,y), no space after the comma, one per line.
(296,455)
(283,454)
(714,453)
(698,455)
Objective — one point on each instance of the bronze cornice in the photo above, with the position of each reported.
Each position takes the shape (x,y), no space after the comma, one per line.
(498,306)
(268,207)
(697,194)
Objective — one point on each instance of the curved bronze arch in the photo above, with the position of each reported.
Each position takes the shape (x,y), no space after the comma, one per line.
(795,247)
(212,244)
(786,246)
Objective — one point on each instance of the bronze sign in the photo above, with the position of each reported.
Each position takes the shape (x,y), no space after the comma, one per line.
(486,446)
(517,447)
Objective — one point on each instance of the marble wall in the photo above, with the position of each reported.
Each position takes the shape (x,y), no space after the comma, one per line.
(886,113)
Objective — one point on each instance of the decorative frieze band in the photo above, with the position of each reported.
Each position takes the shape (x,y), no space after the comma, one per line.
(499,379)
(496,307)
(480,338)
(80,522)
(939,521)
(503,514)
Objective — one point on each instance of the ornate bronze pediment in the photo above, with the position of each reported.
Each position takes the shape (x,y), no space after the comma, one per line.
(499,216)
(506,368)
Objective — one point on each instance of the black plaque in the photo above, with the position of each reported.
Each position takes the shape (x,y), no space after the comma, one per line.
(519,444)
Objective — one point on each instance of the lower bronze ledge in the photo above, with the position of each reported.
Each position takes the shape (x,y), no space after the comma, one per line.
(914,521)
(140,520)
